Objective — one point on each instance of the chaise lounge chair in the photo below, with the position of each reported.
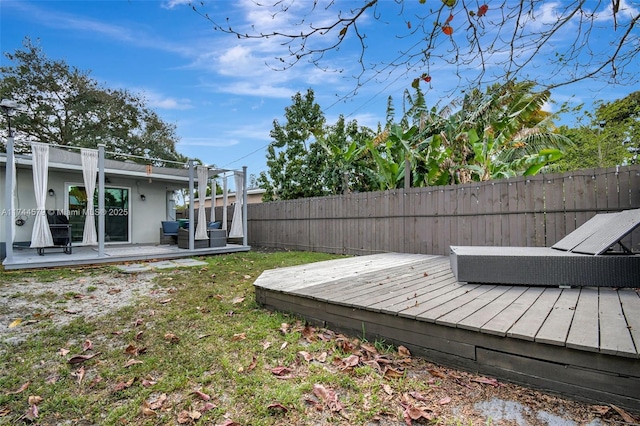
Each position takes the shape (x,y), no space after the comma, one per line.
(585,257)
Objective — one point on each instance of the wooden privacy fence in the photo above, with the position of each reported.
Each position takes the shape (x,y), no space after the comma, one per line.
(523,211)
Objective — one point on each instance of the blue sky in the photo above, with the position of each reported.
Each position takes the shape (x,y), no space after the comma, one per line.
(216,88)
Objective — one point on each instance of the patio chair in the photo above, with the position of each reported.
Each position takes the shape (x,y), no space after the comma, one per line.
(585,257)
(60,232)
(169,230)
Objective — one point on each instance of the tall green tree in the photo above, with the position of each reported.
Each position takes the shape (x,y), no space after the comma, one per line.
(294,158)
(65,106)
(348,165)
(610,137)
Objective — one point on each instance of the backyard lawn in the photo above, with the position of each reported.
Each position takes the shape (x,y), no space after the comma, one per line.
(93,345)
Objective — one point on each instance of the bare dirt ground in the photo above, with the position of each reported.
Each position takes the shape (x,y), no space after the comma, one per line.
(39,304)
(34,304)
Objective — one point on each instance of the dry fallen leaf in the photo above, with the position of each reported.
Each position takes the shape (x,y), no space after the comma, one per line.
(79,374)
(625,416)
(157,403)
(165,301)
(78,359)
(135,351)
(418,396)
(202,395)
(20,389)
(239,336)
(123,385)
(392,373)
(188,416)
(16,322)
(444,400)
(208,406)
(277,408)
(328,396)
(305,356)
(132,362)
(484,380)
(436,373)
(146,410)
(147,383)
(32,413)
(402,351)
(412,412)
(63,352)
(351,361)
(172,338)
(253,364)
(237,300)
(34,399)
(280,371)
(87,345)
(387,389)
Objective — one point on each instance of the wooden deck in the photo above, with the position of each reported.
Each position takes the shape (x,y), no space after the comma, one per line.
(580,342)
(26,258)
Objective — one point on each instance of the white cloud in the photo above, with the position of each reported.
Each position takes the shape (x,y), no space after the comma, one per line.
(170,4)
(209,142)
(158,100)
(249,88)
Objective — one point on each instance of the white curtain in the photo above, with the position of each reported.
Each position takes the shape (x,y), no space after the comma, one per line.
(213,200)
(236,223)
(90,173)
(201,229)
(41,234)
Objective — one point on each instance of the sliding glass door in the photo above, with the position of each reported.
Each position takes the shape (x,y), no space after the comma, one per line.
(116,204)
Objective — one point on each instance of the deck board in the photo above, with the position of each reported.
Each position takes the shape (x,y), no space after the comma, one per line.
(454,317)
(584,333)
(631,307)
(503,321)
(484,315)
(579,340)
(527,326)
(615,337)
(555,329)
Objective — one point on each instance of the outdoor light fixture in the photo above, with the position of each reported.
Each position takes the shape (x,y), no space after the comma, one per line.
(142,197)
(52,193)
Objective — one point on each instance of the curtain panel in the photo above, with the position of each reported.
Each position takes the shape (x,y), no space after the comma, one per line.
(41,234)
(236,223)
(201,229)
(89,173)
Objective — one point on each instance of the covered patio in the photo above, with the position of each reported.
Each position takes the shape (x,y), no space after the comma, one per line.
(114,209)
(25,258)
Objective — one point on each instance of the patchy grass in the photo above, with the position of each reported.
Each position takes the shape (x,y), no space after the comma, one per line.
(203,352)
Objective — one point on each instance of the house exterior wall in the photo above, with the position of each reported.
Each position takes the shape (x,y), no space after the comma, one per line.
(145,216)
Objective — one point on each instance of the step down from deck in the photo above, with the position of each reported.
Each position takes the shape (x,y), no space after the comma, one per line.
(585,257)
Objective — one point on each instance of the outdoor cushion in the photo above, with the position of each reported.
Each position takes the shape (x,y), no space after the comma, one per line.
(170,227)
